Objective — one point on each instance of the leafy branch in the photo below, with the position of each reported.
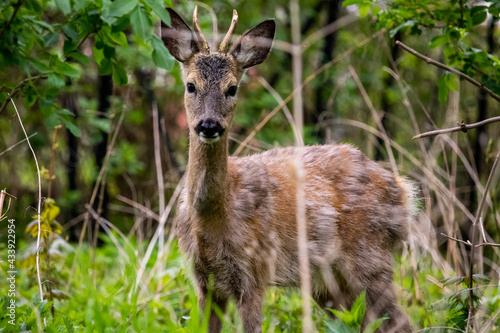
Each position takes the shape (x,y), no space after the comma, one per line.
(449,69)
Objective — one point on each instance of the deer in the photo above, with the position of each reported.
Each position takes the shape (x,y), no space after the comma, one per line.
(236,216)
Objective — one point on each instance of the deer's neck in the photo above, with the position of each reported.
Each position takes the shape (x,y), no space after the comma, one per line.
(207,178)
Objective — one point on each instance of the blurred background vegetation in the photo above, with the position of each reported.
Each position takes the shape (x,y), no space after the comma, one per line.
(87,75)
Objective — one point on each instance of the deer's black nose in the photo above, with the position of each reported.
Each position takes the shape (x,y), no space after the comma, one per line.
(209,128)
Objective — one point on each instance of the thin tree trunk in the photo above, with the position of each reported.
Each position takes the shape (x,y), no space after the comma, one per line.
(72,162)
(324,89)
(105,86)
(385,103)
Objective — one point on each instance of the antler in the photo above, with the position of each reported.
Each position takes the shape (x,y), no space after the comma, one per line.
(224,45)
(202,42)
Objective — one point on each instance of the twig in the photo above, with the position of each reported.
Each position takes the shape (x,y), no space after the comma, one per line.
(14,90)
(456,239)
(38,208)
(286,111)
(159,174)
(461,127)
(449,69)
(3,194)
(17,144)
(474,231)
(329,29)
(52,157)
(488,244)
(82,40)
(137,205)
(377,119)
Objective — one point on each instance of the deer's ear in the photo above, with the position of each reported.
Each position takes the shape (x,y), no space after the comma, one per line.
(254,46)
(178,38)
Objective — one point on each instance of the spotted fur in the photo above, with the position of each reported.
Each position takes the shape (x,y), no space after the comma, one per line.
(237,216)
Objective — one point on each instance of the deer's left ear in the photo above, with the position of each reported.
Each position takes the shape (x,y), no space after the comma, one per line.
(178,38)
(254,46)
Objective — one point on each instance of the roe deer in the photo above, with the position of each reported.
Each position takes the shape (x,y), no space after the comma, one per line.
(237,216)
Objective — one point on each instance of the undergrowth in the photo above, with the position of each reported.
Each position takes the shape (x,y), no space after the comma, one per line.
(103,297)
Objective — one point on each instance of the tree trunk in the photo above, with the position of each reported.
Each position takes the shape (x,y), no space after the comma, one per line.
(324,89)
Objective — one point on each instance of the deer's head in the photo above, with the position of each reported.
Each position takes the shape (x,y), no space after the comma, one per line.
(212,78)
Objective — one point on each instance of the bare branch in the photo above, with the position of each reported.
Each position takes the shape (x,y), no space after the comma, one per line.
(449,69)
(16,144)
(140,207)
(456,239)
(461,127)
(488,244)
(474,231)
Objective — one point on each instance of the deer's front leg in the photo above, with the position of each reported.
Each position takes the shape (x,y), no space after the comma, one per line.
(214,323)
(250,309)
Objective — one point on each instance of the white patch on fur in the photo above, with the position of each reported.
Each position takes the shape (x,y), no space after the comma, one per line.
(204,139)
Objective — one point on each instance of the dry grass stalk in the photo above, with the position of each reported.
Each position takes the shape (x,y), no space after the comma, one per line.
(39,206)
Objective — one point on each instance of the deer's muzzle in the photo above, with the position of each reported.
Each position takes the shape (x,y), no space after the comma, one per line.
(209,130)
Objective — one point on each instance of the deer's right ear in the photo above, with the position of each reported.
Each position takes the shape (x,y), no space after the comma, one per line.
(179,38)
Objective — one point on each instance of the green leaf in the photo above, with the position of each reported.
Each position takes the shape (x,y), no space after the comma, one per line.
(119,75)
(119,38)
(66,69)
(161,56)
(159,9)
(70,32)
(409,23)
(141,23)
(438,41)
(39,65)
(109,52)
(452,82)
(371,327)
(105,67)
(479,17)
(98,54)
(119,8)
(81,4)
(81,58)
(52,121)
(64,6)
(363,9)
(55,81)
(52,38)
(351,2)
(72,128)
(65,112)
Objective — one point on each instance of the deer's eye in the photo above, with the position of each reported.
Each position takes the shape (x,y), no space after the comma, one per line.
(231,91)
(190,87)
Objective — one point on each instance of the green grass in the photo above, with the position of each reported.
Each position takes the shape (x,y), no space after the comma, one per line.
(104,297)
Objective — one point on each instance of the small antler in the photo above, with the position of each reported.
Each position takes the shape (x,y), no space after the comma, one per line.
(224,45)
(202,42)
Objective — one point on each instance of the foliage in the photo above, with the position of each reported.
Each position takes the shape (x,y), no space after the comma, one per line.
(458,302)
(452,24)
(49,53)
(53,248)
(350,321)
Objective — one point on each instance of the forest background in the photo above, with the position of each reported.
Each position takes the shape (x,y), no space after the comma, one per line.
(93,148)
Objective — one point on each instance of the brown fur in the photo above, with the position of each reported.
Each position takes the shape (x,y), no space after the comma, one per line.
(237,216)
